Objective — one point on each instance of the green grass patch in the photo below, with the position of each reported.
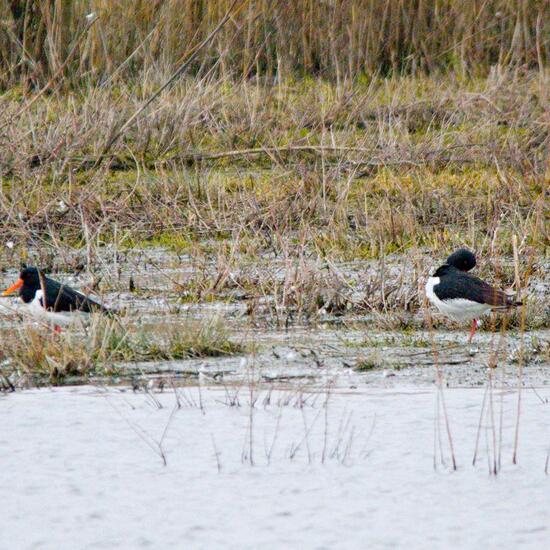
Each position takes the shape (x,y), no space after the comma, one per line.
(98,348)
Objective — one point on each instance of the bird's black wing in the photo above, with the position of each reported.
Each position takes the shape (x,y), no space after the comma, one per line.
(467,287)
(64,298)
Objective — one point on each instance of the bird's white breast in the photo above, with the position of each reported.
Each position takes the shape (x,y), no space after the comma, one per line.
(430,283)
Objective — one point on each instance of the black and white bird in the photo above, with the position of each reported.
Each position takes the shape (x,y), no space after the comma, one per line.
(63,303)
(461,296)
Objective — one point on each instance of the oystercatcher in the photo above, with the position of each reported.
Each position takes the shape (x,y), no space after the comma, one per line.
(62,301)
(461,296)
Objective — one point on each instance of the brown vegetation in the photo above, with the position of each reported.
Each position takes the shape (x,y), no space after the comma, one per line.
(305,134)
(337,39)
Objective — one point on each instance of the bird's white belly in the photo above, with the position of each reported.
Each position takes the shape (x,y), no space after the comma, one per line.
(458,309)
(36,309)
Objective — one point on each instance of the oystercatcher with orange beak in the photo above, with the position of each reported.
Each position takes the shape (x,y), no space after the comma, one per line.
(461,296)
(61,303)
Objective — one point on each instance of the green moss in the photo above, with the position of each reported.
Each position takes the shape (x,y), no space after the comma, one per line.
(174,241)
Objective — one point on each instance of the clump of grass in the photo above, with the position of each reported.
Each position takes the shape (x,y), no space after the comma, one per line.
(403,339)
(98,349)
(366,364)
(190,339)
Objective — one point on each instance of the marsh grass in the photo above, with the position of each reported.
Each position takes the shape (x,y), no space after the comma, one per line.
(267,186)
(434,163)
(370,363)
(98,348)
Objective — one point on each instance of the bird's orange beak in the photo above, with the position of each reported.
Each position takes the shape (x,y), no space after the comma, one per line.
(13,288)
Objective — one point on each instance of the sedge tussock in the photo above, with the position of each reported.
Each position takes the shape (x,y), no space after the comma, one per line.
(96,349)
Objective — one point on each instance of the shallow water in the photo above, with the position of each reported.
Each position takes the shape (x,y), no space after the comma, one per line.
(82,468)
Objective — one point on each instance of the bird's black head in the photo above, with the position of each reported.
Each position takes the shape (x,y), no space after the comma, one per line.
(30,277)
(462,259)
(27,284)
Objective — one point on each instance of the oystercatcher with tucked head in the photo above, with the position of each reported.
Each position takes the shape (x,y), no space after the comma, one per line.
(461,296)
(62,303)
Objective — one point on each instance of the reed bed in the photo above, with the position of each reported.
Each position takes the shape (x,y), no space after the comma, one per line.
(336,39)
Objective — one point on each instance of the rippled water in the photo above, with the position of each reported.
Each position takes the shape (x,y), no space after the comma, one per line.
(317,468)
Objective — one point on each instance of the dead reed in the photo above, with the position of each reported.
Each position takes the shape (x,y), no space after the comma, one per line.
(341,40)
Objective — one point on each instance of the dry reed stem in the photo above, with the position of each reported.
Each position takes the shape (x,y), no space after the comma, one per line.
(517,285)
(342,41)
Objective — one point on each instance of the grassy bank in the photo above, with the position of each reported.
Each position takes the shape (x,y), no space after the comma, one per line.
(35,354)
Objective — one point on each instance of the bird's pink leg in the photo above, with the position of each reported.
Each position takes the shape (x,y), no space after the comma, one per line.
(472,330)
